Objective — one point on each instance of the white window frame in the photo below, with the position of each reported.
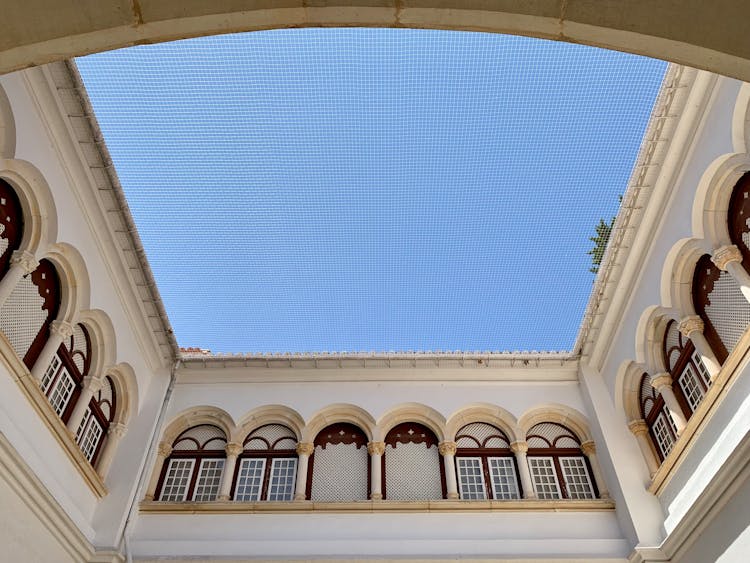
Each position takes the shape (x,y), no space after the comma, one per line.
(49,374)
(89,426)
(462,481)
(272,477)
(505,463)
(701,367)
(166,483)
(691,387)
(201,468)
(542,494)
(661,428)
(569,484)
(244,462)
(63,376)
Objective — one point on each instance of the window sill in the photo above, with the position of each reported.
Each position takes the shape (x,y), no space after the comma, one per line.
(232,507)
(705,411)
(28,385)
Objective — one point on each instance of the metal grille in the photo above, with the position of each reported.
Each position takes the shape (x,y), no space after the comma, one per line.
(22,316)
(504,479)
(412,472)
(576,475)
(271,437)
(209,480)
(471,478)
(702,371)
(481,435)
(339,473)
(691,387)
(728,310)
(249,479)
(177,479)
(283,476)
(673,344)
(544,477)
(50,372)
(80,350)
(647,396)
(61,392)
(4,242)
(202,437)
(89,439)
(104,398)
(664,438)
(551,435)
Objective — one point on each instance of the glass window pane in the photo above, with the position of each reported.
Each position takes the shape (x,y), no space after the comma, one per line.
(544,477)
(62,390)
(504,480)
(664,437)
(177,479)
(691,387)
(283,475)
(90,436)
(249,479)
(576,476)
(209,480)
(471,478)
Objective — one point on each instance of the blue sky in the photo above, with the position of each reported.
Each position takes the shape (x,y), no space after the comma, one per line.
(371,189)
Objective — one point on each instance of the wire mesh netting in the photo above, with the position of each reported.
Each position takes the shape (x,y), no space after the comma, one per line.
(372,189)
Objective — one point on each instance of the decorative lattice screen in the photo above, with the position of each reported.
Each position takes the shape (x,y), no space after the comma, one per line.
(271,437)
(672,345)
(551,435)
(647,396)
(339,473)
(22,316)
(11,224)
(412,472)
(105,398)
(202,437)
(481,435)
(728,310)
(79,348)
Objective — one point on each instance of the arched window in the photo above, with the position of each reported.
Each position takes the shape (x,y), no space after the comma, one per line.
(719,302)
(687,369)
(28,312)
(267,466)
(486,465)
(92,433)
(739,218)
(559,469)
(339,465)
(63,379)
(412,465)
(11,225)
(193,469)
(654,411)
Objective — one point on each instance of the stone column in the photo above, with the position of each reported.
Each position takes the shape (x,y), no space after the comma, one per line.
(22,263)
(662,382)
(162,453)
(59,331)
(520,449)
(225,488)
(448,451)
(91,385)
(376,450)
(692,327)
(114,436)
(304,451)
(729,259)
(589,448)
(639,428)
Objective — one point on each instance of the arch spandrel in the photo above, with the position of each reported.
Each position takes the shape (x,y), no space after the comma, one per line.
(561,414)
(340,412)
(195,416)
(483,412)
(269,414)
(412,412)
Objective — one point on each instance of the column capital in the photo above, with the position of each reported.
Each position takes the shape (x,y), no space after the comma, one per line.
(25,259)
(588,447)
(725,255)
(63,329)
(305,448)
(164,449)
(691,324)
(233,448)
(376,448)
(447,448)
(660,380)
(118,430)
(638,427)
(93,383)
(519,446)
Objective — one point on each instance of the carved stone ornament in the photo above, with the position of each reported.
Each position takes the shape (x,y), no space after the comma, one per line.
(118,430)
(447,448)
(588,447)
(725,255)
(638,427)
(522,447)
(61,328)
(661,380)
(690,324)
(305,448)
(25,259)
(233,448)
(93,383)
(164,449)
(375,448)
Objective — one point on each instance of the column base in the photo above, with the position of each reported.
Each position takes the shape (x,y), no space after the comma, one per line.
(223,497)
(376,496)
(453,496)
(300,497)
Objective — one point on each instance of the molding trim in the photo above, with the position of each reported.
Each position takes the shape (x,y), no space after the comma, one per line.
(231,507)
(28,385)
(30,489)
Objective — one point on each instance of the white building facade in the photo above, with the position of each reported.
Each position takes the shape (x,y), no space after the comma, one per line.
(118,446)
